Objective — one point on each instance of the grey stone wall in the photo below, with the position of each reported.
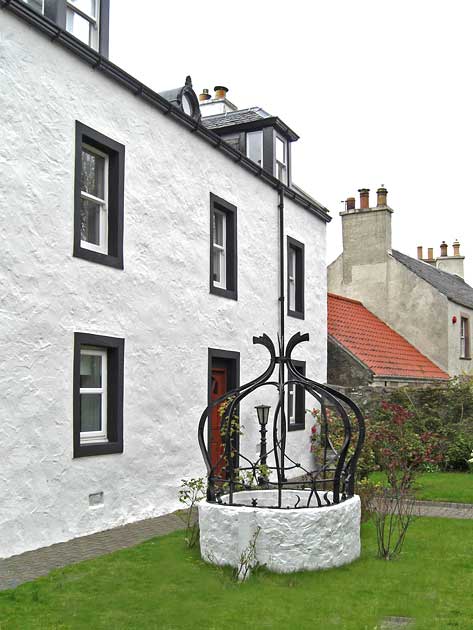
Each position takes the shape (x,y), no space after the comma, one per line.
(343,369)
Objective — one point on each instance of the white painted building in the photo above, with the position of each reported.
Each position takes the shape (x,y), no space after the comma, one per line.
(118,296)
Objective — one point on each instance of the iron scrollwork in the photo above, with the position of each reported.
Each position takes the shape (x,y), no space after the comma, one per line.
(330,481)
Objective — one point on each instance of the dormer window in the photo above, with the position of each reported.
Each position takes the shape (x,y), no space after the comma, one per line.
(82,20)
(281,160)
(254,146)
(87,20)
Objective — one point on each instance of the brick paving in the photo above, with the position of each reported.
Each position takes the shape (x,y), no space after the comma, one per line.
(34,564)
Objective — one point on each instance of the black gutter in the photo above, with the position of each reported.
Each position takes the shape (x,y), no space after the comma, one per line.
(109,69)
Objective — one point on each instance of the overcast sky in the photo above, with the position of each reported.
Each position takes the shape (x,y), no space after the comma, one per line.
(380,92)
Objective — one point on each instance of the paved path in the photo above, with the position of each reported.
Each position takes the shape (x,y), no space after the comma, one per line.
(33,564)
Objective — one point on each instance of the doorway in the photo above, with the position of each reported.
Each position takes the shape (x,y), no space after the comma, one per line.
(223,376)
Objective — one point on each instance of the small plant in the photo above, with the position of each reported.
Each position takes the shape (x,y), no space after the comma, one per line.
(247,561)
(392,511)
(192,491)
(470,462)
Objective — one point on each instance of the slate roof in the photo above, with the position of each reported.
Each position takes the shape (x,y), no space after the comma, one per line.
(232,118)
(451,285)
(381,349)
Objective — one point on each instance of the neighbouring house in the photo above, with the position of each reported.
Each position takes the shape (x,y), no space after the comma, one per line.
(363,350)
(139,256)
(426,301)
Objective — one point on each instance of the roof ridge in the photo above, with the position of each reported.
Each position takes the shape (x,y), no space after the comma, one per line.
(446,274)
(451,285)
(345,299)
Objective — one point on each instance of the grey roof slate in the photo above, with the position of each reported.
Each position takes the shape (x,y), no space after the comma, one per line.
(232,118)
(451,285)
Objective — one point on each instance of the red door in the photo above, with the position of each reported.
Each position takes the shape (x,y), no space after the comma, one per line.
(218,387)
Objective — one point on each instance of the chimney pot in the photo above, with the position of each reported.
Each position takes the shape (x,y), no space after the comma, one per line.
(443,249)
(220,91)
(350,203)
(205,96)
(382,196)
(364,197)
(420,253)
(430,253)
(456,248)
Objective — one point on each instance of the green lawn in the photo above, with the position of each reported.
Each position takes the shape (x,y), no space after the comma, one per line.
(162,585)
(442,486)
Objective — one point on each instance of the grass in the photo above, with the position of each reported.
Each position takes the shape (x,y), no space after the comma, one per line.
(162,585)
(442,486)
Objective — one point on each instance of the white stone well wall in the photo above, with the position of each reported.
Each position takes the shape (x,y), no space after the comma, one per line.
(290,539)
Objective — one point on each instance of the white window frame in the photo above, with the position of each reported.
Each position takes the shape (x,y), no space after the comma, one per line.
(280,167)
(254,133)
(464,337)
(29,4)
(292,278)
(91,19)
(222,249)
(291,393)
(90,437)
(102,247)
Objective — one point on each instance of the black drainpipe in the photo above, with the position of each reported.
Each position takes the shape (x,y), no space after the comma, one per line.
(281,331)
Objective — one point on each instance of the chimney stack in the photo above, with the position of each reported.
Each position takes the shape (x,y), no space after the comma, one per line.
(443,249)
(430,254)
(364,198)
(350,203)
(220,91)
(456,248)
(205,96)
(420,252)
(382,196)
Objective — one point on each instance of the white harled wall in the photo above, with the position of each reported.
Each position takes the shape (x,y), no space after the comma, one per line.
(160,303)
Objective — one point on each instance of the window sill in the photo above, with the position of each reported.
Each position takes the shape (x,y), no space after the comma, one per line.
(296,314)
(296,427)
(97,257)
(86,449)
(226,293)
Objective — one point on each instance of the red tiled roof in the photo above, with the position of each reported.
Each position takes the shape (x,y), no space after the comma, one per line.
(374,343)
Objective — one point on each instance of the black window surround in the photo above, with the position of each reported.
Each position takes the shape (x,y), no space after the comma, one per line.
(231,361)
(116,190)
(231,275)
(299,401)
(296,310)
(115,370)
(55,10)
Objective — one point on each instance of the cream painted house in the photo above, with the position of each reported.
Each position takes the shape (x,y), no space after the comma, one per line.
(426,301)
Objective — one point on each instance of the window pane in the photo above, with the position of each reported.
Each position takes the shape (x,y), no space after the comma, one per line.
(219,225)
(254,147)
(90,370)
(91,412)
(92,174)
(217,266)
(280,151)
(37,5)
(78,26)
(90,221)
(86,6)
